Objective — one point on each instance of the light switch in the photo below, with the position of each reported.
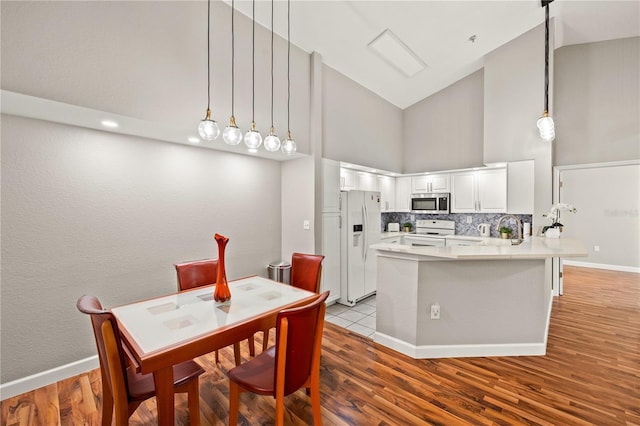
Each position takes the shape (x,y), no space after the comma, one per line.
(306,224)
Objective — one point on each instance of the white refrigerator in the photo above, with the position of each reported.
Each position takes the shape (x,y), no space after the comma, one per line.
(360,219)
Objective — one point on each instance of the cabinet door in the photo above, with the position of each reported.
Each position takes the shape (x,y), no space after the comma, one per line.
(419,184)
(492,191)
(439,183)
(387,188)
(463,192)
(330,279)
(347,179)
(330,185)
(403,194)
(366,181)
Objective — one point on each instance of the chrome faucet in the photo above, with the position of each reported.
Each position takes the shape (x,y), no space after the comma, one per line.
(518,225)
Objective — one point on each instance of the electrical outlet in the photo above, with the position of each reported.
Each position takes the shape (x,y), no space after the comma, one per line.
(306,224)
(596,248)
(469,219)
(435,311)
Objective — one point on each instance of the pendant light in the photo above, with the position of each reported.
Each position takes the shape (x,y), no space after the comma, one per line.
(253,138)
(289,145)
(545,123)
(272,142)
(232,135)
(208,128)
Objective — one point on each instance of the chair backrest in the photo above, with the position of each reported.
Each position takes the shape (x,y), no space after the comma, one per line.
(196,273)
(306,271)
(303,339)
(110,352)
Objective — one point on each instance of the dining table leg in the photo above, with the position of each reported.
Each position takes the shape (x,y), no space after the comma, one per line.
(163,380)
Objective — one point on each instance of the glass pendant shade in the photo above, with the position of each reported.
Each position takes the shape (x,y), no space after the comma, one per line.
(272,142)
(253,138)
(208,128)
(289,145)
(547,128)
(232,135)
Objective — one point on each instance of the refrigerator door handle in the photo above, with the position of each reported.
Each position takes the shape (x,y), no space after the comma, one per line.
(366,231)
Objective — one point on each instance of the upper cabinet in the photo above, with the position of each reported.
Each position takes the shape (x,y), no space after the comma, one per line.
(430,183)
(482,191)
(403,194)
(366,181)
(331,183)
(387,188)
(347,179)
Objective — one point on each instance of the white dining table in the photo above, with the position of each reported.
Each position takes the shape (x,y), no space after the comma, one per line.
(161,332)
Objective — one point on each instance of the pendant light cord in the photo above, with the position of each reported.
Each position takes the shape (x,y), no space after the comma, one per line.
(253,64)
(208,56)
(233,56)
(546,58)
(272,66)
(288,66)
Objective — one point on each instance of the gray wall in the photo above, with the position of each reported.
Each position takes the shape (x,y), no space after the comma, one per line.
(445,130)
(358,126)
(148,60)
(597,98)
(92,212)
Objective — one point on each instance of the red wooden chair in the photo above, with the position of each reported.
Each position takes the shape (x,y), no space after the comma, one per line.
(122,388)
(198,273)
(293,363)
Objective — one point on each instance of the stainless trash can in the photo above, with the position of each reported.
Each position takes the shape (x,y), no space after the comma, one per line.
(279,271)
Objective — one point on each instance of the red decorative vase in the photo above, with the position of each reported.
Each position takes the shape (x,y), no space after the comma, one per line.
(221,293)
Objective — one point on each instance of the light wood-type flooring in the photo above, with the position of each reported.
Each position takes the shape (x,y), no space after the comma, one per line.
(590,375)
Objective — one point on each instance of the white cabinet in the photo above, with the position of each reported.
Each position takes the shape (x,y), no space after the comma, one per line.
(387,188)
(394,240)
(482,191)
(330,186)
(520,188)
(403,194)
(347,179)
(330,279)
(430,183)
(366,181)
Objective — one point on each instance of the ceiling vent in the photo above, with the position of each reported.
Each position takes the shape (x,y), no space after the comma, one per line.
(392,50)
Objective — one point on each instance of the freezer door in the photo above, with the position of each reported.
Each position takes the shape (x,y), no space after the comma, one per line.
(373,221)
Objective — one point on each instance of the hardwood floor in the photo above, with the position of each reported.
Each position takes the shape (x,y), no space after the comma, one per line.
(590,375)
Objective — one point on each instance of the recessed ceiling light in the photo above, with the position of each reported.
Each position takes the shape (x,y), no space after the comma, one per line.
(193,139)
(109,123)
(252,150)
(390,48)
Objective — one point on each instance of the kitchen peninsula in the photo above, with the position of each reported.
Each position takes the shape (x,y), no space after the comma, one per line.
(492,299)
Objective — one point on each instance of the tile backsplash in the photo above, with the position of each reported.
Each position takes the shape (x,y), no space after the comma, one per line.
(462,227)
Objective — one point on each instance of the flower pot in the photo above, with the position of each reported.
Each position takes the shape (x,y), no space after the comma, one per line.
(505,235)
(407,229)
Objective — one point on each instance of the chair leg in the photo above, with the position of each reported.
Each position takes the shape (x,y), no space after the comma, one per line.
(252,346)
(315,405)
(193,395)
(265,340)
(217,357)
(236,353)
(234,403)
(280,411)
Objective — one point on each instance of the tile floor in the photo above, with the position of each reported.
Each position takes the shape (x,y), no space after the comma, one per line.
(360,318)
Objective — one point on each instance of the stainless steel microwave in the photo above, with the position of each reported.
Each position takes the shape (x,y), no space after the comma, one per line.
(430,203)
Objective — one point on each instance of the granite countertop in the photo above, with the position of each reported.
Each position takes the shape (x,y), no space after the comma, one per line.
(534,248)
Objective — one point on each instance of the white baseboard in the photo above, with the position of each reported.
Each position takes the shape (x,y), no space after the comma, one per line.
(38,380)
(460,351)
(601,266)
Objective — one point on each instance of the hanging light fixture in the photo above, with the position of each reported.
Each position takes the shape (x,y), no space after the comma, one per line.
(545,123)
(208,128)
(232,135)
(272,142)
(253,138)
(289,145)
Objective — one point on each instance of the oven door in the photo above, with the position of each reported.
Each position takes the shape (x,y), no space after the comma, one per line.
(418,240)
